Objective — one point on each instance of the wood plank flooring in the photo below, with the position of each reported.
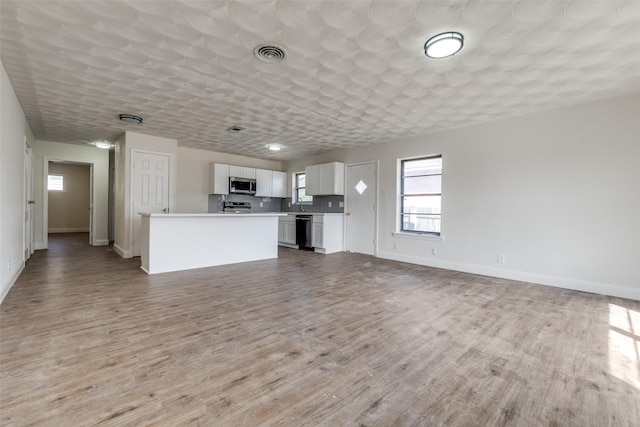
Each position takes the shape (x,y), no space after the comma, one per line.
(87,338)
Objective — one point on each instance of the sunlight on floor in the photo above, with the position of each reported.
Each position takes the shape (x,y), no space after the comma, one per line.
(624,344)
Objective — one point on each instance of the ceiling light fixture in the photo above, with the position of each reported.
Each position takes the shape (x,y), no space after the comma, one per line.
(101,144)
(130,118)
(274,147)
(443,45)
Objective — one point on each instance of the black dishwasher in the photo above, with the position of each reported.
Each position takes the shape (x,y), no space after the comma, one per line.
(303,231)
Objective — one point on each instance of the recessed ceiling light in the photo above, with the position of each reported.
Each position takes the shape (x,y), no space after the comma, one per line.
(443,45)
(236,129)
(274,147)
(102,144)
(130,118)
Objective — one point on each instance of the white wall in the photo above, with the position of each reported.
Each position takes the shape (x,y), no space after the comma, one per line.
(192,194)
(45,151)
(557,193)
(13,130)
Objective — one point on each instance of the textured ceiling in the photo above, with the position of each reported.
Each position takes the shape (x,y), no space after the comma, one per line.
(355,73)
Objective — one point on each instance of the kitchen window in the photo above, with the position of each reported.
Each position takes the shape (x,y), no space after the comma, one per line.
(55,182)
(299,189)
(421,195)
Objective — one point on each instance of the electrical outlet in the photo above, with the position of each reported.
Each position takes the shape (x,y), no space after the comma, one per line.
(341,204)
(500,259)
(395,245)
(9,266)
(330,204)
(261,205)
(434,251)
(289,204)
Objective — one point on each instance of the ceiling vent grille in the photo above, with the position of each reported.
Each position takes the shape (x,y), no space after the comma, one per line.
(270,53)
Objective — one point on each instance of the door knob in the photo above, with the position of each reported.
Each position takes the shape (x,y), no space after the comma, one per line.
(347,214)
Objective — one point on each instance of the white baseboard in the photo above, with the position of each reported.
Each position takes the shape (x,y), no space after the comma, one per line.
(522,276)
(12,280)
(288,245)
(38,246)
(101,242)
(68,230)
(122,252)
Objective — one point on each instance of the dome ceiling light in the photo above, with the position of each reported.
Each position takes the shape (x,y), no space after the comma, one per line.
(443,45)
(130,118)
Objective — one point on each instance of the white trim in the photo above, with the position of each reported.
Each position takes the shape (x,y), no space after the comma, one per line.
(418,236)
(11,282)
(122,252)
(38,246)
(101,242)
(69,230)
(522,276)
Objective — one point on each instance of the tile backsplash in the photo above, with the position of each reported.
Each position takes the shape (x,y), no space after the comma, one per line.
(274,204)
(269,204)
(320,204)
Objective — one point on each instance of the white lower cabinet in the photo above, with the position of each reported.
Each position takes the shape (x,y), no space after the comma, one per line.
(327,233)
(287,230)
(317,229)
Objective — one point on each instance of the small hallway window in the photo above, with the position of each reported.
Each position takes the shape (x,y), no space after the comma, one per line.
(55,182)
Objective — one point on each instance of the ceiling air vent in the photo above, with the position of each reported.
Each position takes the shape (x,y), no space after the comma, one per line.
(235,129)
(269,53)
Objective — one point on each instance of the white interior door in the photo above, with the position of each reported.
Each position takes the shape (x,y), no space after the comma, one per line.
(28,203)
(150,189)
(360,208)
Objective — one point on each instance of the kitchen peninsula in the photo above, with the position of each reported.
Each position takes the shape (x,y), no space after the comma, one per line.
(174,242)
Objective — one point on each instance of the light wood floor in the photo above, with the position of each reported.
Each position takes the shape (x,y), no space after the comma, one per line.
(87,338)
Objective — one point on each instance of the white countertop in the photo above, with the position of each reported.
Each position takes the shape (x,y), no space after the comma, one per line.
(315,213)
(212,215)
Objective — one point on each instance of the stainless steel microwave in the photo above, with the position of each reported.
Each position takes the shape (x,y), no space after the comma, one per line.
(239,185)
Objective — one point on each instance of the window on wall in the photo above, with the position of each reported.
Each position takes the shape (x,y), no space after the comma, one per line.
(299,187)
(421,195)
(55,182)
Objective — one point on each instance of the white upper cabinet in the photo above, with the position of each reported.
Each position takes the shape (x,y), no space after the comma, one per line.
(271,183)
(325,179)
(279,184)
(268,183)
(218,179)
(264,183)
(242,172)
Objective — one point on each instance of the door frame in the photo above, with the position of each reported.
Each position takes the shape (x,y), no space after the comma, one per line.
(376,163)
(29,224)
(45,198)
(135,151)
